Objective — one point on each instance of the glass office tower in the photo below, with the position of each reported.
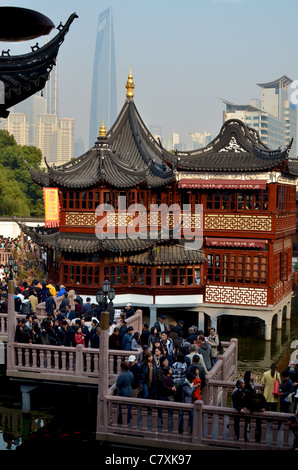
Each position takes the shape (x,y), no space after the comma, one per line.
(104,93)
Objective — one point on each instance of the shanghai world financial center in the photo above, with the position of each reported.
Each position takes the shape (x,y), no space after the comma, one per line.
(104,94)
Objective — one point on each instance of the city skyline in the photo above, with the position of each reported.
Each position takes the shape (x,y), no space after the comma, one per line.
(182,59)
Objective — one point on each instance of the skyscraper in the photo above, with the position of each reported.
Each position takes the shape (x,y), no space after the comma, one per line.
(273,116)
(275,100)
(104,93)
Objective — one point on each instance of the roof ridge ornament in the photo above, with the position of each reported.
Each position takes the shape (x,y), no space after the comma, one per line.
(102,130)
(129,85)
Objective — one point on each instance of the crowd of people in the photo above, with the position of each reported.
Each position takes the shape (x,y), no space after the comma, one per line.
(19,247)
(63,325)
(166,362)
(10,244)
(280,393)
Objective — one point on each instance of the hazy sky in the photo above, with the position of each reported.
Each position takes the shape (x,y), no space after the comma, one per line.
(185,56)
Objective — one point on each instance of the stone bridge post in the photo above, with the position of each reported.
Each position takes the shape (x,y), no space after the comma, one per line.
(71,297)
(11,323)
(103,373)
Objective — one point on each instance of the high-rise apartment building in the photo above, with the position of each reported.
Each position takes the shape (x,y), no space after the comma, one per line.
(65,140)
(104,93)
(273,116)
(199,139)
(17,125)
(276,101)
(32,108)
(56,138)
(48,136)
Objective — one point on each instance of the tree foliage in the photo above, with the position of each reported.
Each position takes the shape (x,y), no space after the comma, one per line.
(19,195)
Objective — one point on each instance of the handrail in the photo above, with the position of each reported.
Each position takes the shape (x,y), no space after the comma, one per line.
(159,421)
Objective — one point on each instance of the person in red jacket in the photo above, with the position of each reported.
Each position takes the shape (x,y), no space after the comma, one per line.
(197,390)
(79,337)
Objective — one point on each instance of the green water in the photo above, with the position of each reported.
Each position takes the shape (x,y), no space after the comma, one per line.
(253,351)
(16,427)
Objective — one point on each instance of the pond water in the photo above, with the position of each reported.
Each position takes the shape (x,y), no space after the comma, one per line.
(253,351)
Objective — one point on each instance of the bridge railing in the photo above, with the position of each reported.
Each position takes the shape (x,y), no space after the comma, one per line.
(152,421)
(4,255)
(135,320)
(224,369)
(3,323)
(68,364)
(72,363)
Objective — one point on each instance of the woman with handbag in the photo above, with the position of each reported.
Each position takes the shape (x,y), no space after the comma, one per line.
(268,381)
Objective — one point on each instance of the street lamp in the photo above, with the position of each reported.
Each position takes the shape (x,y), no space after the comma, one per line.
(11,268)
(103,295)
(15,267)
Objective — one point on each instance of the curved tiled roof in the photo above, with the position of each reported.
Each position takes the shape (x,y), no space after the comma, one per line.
(168,255)
(236,148)
(293,166)
(140,251)
(126,157)
(129,155)
(24,75)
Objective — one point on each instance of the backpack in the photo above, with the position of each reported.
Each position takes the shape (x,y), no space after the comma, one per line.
(26,308)
(219,345)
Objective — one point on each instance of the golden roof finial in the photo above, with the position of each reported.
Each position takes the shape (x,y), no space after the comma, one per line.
(129,85)
(102,130)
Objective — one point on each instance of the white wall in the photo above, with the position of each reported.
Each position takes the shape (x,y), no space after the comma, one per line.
(11,229)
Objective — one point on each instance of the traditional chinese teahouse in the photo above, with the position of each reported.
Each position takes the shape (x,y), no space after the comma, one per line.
(248,196)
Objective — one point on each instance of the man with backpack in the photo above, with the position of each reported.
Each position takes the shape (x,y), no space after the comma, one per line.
(186,393)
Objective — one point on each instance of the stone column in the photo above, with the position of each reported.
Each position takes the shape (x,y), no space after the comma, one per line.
(11,312)
(153,314)
(26,399)
(268,327)
(71,297)
(104,355)
(11,323)
(214,323)
(279,320)
(103,373)
(288,311)
(201,321)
